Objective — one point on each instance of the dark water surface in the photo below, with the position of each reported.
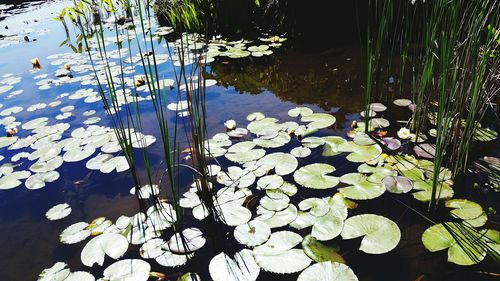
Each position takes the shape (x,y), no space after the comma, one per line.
(326,81)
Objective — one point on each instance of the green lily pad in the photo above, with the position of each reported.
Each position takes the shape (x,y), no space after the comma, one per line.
(425,191)
(360,153)
(283,163)
(265,123)
(302,111)
(438,237)
(315,176)
(381,234)
(320,252)
(360,188)
(281,139)
(331,145)
(318,120)
(300,152)
(464,209)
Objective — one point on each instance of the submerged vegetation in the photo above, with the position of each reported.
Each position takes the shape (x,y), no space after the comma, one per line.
(285,193)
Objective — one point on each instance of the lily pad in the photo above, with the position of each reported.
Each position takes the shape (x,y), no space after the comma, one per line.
(360,187)
(242,267)
(381,234)
(464,209)
(320,252)
(58,212)
(111,244)
(282,163)
(328,271)
(252,233)
(191,240)
(129,269)
(315,176)
(360,153)
(438,237)
(424,193)
(397,184)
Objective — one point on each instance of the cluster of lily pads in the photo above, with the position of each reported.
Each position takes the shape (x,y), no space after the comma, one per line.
(273,180)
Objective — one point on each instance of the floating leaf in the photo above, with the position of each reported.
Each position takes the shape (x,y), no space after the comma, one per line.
(381,235)
(464,209)
(302,111)
(58,212)
(300,152)
(315,176)
(328,271)
(331,145)
(75,233)
(319,252)
(242,267)
(111,244)
(397,184)
(282,163)
(192,239)
(425,191)
(328,226)
(129,269)
(318,120)
(402,102)
(438,237)
(55,273)
(360,153)
(252,233)
(360,188)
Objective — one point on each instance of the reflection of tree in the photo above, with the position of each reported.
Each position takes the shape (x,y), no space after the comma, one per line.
(328,79)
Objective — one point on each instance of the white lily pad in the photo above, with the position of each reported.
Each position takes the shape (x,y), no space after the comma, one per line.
(242,267)
(58,212)
(253,233)
(128,269)
(75,233)
(111,244)
(191,240)
(328,271)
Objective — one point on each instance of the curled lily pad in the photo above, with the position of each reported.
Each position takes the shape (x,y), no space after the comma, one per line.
(328,271)
(242,267)
(320,252)
(58,212)
(252,233)
(331,145)
(315,176)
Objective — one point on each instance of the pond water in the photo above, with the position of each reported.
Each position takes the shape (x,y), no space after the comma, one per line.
(326,81)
